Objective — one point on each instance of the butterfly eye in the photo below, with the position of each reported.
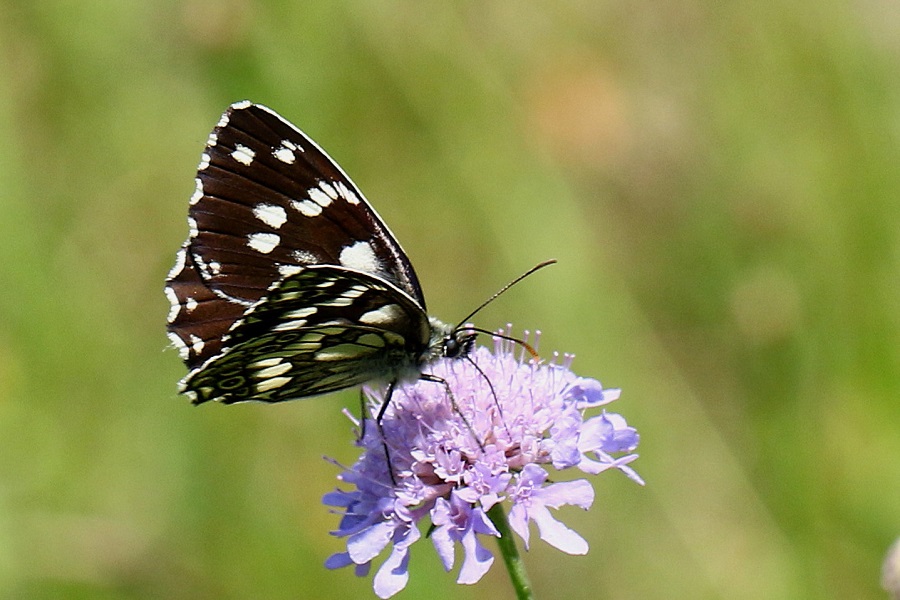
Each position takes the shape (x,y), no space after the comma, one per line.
(452,347)
(459,343)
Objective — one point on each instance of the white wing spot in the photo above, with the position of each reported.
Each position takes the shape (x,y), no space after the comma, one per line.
(289,325)
(354,292)
(263,242)
(306,257)
(206,270)
(328,189)
(204,161)
(307,208)
(288,270)
(243,154)
(390,313)
(192,227)
(360,256)
(190,304)
(198,192)
(265,362)
(175,303)
(348,194)
(319,197)
(178,267)
(197,344)
(284,154)
(272,215)
(273,371)
(179,344)
(241,105)
(212,140)
(274,382)
(215,267)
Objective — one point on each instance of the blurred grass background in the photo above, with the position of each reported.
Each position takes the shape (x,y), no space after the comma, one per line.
(720,183)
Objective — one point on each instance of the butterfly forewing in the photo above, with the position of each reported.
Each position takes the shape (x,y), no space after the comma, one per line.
(198,318)
(269,199)
(289,283)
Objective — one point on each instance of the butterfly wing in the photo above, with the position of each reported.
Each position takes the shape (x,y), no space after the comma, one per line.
(268,203)
(322,329)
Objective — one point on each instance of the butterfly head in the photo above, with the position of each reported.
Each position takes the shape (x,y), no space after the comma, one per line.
(459,342)
(449,341)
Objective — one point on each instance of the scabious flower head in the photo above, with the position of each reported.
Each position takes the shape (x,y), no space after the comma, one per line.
(455,455)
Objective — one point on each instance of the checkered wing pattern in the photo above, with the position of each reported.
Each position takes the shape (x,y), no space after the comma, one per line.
(289,284)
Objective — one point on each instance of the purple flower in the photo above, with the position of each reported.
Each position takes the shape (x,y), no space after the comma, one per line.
(452,463)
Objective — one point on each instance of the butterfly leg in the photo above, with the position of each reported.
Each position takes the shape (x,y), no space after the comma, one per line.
(387,453)
(362,415)
(490,387)
(443,382)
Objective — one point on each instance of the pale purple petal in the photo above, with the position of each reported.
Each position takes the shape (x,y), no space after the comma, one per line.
(556,534)
(477,559)
(518,522)
(441,537)
(367,544)
(589,393)
(393,575)
(564,438)
(608,432)
(579,493)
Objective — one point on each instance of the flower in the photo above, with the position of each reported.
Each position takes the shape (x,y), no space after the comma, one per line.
(457,450)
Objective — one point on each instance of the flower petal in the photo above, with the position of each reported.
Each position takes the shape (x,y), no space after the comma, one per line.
(477,560)
(518,522)
(556,534)
(580,493)
(338,560)
(368,543)
(442,537)
(393,574)
(588,393)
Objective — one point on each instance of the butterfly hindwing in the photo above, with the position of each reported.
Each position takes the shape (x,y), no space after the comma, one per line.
(321,329)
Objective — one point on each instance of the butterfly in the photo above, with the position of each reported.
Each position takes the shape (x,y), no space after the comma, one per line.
(289,284)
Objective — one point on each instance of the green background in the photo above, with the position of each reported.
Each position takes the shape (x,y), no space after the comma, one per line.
(719,182)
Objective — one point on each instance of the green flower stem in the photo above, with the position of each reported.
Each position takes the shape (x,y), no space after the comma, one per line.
(511,557)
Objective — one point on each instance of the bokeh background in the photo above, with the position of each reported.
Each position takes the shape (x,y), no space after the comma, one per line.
(719,181)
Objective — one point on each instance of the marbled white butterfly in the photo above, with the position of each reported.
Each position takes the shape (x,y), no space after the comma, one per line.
(290,284)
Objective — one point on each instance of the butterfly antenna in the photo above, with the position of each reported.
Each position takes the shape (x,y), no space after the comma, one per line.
(528,347)
(530,271)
